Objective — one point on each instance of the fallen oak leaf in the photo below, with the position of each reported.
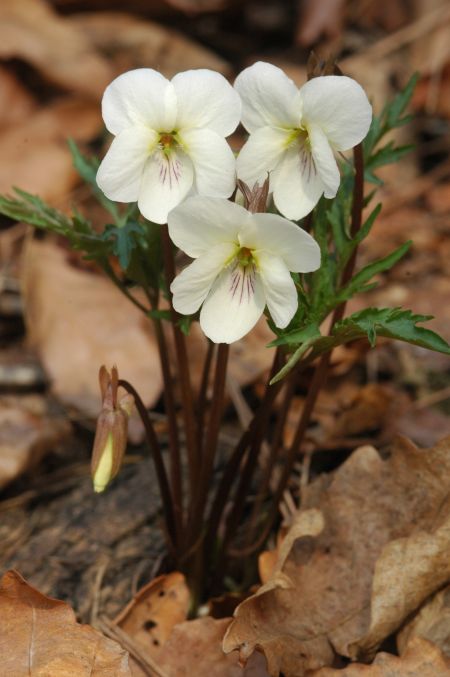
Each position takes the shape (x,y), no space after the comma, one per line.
(421,659)
(378,515)
(40,636)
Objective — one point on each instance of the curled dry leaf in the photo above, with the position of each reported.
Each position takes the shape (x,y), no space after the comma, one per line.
(154,611)
(432,622)
(382,551)
(421,659)
(30,30)
(78,320)
(29,429)
(134,43)
(40,636)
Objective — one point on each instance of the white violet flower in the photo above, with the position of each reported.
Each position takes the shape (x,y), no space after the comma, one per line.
(242,263)
(293,133)
(169,138)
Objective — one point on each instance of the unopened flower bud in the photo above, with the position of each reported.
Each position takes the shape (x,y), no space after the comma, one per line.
(112,430)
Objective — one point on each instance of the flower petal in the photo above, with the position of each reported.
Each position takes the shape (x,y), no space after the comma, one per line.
(214,162)
(166,181)
(206,99)
(273,235)
(269,97)
(279,288)
(202,222)
(261,154)
(192,285)
(142,96)
(120,173)
(234,305)
(339,106)
(296,183)
(324,160)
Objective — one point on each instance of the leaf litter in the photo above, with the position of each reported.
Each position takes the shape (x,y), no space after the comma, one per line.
(372,545)
(355,611)
(39,636)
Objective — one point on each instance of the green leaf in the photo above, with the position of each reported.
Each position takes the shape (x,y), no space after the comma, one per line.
(160,314)
(393,323)
(388,154)
(397,107)
(367,225)
(123,240)
(292,361)
(359,281)
(297,336)
(87,168)
(322,281)
(185,322)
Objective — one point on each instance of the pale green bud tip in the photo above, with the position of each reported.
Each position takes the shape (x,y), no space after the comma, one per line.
(104,471)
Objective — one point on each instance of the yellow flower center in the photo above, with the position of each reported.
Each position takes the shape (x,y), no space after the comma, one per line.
(168,141)
(299,136)
(245,257)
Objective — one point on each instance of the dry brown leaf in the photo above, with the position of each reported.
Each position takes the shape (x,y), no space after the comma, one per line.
(198,6)
(195,648)
(39,636)
(318,19)
(421,659)
(432,622)
(365,412)
(77,321)
(30,30)
(15,101)
(29,430)
(383,550)
(134,43)
(35,156)
(438,198)
(154,611)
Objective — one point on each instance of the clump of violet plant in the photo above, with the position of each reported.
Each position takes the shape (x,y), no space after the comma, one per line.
(274,231)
